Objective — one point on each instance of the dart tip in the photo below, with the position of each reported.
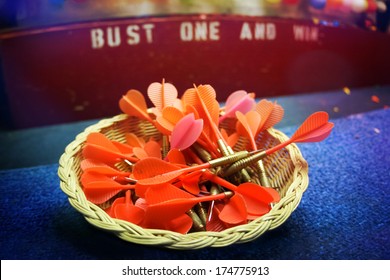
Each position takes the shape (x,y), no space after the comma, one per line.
(228,194)
(131,180)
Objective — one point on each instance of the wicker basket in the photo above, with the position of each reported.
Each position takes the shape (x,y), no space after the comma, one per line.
(287,170)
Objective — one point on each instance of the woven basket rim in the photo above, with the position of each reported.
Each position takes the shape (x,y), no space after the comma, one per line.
(69,184)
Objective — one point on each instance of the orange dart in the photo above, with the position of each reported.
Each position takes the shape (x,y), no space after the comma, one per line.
(100,153)
(162,94)
(153,171)
(206,97)
(123,147)
(181,224)
(314,129)
(134,104)
(89,177)
(204,139)
(234,212)
(149,149)
(174,203)
(167,192)
(96,167)
(101,140)
(257,198)
(270,113)
(176,156)
(186,132)
(252,123)
(164,193)
(134,141)
(203,99)
(124,209)
(214,223)
(99,147)
(266,115)
(169,117)
(190,182)
(238,101)
(101,191)
(247,125)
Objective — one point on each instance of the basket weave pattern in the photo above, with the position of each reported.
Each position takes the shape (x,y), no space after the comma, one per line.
(287,171)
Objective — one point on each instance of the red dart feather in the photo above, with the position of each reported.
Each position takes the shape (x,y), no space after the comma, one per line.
(134,104)
(186,132)
(162,94)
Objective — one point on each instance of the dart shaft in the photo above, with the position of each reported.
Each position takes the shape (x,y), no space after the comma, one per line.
(242,163)
(279,146)
(223,195)
(228,159)
(220,181)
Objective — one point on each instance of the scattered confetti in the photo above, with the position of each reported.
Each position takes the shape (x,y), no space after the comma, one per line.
(375,99)
(347,91)
(377,131)
(336,109)
(78,108)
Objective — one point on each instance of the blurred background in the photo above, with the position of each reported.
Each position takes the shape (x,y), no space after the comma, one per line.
(66,63)
(37,13)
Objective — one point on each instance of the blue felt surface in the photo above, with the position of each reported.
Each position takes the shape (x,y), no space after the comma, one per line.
(344,214)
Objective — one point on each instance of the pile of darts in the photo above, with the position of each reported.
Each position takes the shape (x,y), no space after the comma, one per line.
(205,171)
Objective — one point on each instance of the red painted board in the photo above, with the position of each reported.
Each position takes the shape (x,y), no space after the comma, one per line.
(79,71)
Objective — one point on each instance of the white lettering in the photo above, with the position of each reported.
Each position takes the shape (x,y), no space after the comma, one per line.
(299,33)
(246,33)
(260,31)
(271,31)
(199,31)
(113,36)
(305,33)
(148,32)
(133,36)
(214,31)
(97,38)
(186,31)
